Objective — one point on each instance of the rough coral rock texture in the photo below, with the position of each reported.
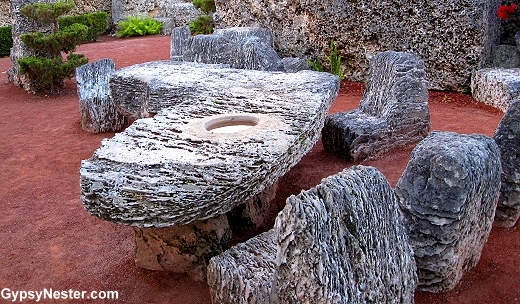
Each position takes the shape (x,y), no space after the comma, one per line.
(181,12)
(240,48)
(182,249)
(171,170)
(393,112)
(98,112)
(507,137)
(453,37)
(496,87)
(343,242)
(5,13)
(448,194)
(244,273)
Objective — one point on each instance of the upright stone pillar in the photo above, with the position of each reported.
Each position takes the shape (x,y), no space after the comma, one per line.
(22,25)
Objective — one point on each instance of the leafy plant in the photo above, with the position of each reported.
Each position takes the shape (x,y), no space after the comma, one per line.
(47,70)
(333,61)
(138,26)
(202,25)
(6,40)
(316,65)
(97,23)
(207,6)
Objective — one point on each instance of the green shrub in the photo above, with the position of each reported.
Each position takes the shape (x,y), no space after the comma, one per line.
(138,26)
(6,40)
(48,70)
(202,25)
(333,61)
(97,23)
(207,6)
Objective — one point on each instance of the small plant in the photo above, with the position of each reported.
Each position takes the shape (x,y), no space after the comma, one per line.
(207,6)
(333,60)
(97,23)
(6,40)
(47,70)
(316,66)
(138,26)
(510,22)
(203,24)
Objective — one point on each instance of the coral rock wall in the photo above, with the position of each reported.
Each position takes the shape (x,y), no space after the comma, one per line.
(453,37)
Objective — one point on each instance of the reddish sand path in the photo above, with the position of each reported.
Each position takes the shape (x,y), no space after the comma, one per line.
(50,241)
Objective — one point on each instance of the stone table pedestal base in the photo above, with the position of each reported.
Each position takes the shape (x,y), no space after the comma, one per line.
(185,249)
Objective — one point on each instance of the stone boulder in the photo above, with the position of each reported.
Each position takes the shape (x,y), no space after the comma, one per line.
(343,242)
(240,48)
(496,87)
(245,272)
(507,137)
(98,112)
(393,112)
(448,194)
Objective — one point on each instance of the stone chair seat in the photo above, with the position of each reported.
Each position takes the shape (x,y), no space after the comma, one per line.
(393,112)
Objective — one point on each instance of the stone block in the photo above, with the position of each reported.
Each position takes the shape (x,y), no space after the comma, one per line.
(182,249)
(98,112)
(448,194)
(343,242)
(245,272)
(293,64)
(239,48)
(393,112)
(507,137)
(505,56)
(496,87)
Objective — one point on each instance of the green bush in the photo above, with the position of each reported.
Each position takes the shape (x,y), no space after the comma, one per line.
(202,25)
(207,6)
(48,70)
(333,61)
(97,23)
(6,40)
(138,26)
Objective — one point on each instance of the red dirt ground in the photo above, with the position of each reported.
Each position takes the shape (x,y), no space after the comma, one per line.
(50,241)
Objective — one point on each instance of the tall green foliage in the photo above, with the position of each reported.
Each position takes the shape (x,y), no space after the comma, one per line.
(97,23)
(47,70)
(6,40)
(203,24)
(333,64)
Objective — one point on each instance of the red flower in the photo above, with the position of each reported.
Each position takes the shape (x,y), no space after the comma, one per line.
(505,10)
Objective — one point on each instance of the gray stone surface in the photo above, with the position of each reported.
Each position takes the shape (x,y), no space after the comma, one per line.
(496,87)
(342,242)
(244,273)
(98,112)
(453,37)
(507,137)
(505,56)
(293,64)
(182,249)
(448,194)
(240,48)
(170,170)
(393,112)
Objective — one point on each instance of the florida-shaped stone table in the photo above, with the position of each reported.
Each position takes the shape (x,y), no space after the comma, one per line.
(175,175)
